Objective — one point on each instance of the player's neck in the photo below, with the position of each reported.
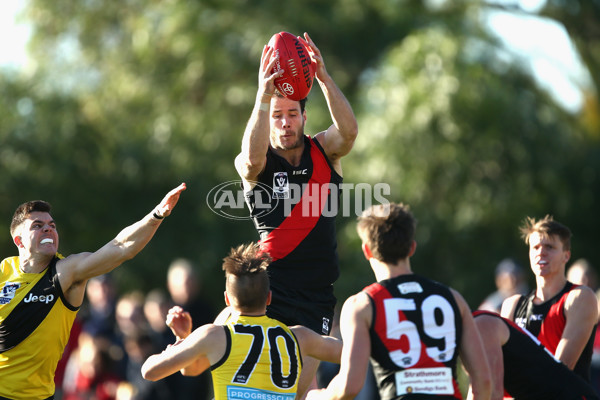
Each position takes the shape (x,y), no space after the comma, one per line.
(384,270)
(258,313)
(292,156)
(30,264)
(548,287)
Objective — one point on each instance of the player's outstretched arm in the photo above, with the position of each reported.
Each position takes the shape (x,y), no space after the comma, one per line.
(194,354)
(338,139)
(321,347)
(78,268)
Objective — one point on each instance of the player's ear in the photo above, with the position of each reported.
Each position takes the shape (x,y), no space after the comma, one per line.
(567,256)
(269,297)
(17,241)
(226,298)
(413,248)
(367,251)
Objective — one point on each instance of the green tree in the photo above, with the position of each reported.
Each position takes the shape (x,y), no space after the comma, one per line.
(130,98)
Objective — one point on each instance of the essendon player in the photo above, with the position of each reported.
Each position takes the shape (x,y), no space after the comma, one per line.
(284,173)
(522,367)
(412,328)
(561,315)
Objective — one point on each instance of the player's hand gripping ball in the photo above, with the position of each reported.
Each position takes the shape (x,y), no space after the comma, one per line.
(298,68)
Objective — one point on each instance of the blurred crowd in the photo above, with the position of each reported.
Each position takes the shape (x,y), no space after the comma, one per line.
(113,336)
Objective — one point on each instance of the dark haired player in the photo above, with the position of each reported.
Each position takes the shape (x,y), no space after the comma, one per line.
(41,292)
(412,328)
(252,356)
(296,170)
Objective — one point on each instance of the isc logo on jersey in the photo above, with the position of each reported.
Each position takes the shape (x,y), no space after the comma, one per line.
(42,299)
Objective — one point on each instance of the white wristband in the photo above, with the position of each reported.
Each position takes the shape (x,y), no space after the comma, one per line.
(264,106)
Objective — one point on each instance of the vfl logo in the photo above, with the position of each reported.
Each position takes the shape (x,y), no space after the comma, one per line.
(281,185)
(8,292)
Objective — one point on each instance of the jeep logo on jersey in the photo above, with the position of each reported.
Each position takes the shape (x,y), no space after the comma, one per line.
(41,298)
(227,200)
(8,292)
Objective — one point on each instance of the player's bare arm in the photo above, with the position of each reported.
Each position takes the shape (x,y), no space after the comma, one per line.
(495,334)
(355,320)
(581,312)
(202,348)
(472,353)
(338,139)
(324,348)
(74,270)
(509,306)
(255,143)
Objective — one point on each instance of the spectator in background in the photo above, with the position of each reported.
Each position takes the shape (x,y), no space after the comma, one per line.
(156,307)
(98,313)
(184,287)
(582,273)
(138,347)
(130,314)
(509,280)
(185,290)
(91,370)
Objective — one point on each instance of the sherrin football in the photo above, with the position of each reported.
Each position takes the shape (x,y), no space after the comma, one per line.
(298,68)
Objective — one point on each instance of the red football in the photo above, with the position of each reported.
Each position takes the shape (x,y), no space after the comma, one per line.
(298,69)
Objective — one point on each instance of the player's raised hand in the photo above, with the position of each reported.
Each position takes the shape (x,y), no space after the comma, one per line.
(266,74)
(169,201)
(316,57)
(180,322)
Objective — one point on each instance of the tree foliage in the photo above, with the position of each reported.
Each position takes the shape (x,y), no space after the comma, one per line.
(130,98)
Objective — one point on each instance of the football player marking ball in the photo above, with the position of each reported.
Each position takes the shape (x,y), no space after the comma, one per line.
(298,69)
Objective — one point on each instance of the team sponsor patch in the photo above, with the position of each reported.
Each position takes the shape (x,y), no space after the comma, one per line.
(281,185)
(436,381)
(8,292)
(245,393)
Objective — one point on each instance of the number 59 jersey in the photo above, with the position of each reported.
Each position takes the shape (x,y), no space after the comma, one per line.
(414,338)
(262,361)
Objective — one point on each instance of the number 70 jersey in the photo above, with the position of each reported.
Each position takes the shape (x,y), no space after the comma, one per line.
(262,361)
(414,335)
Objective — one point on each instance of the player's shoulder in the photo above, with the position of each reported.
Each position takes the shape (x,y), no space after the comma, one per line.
(509,306)
(583,295)
(71,259)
